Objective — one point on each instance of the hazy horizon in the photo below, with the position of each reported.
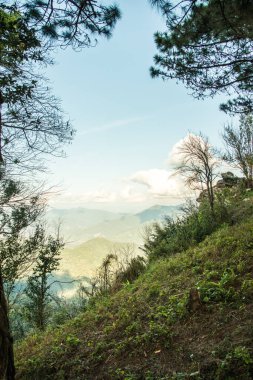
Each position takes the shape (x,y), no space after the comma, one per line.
(128,124)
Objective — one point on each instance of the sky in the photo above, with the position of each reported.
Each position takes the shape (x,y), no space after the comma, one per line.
(128,125)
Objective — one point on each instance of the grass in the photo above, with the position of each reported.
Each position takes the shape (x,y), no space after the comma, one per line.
(148,329)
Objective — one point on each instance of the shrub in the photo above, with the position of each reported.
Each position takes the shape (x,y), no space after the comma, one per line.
(231,206)
(177,235)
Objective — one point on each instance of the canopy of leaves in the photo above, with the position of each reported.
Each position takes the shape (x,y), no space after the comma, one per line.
(71,22)
(209,47)
(18,45)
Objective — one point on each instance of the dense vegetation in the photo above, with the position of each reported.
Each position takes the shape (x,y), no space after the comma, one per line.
(178,317)
(188,316)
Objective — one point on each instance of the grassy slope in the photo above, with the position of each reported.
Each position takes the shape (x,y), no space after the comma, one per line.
(148,330)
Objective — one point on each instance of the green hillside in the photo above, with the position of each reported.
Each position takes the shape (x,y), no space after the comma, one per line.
(84,259)
(155,328)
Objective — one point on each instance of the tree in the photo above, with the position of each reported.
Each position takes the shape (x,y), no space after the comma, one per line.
(121,265)
(18,242)
(32,128)
(38,286)
(209,47)
(31,120)
(239,147)
(198,165)
(31,123)
(71,22)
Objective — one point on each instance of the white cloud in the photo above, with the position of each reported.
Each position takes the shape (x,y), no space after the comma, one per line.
(144,186)
(160,183)
(174,155)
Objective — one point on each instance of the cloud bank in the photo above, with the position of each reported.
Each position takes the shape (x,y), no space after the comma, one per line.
(144,186)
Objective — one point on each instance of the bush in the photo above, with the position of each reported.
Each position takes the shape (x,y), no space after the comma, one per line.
(232,205)
(132,271)
(177,235)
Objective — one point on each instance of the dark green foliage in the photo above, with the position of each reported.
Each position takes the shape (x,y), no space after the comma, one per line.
(237,365)
(18,45)
(38,284)
(208,46)
(67,309)
(24,311)
(132,271)
(71,23)
(18,213)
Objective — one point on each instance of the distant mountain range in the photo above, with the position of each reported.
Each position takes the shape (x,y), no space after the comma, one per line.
(157,213)
(81,224)
(90,235)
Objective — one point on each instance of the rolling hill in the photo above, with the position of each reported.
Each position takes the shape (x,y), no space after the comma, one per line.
(83,259)
(91,235)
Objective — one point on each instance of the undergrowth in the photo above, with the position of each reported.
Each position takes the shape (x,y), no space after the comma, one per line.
(151,329)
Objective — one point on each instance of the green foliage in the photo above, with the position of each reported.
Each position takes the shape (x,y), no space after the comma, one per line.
(38,286)
(76,24)
(238,364)
(221,290)
(192,48)
(32,121)
(177,235)
(134,268)
(18,213)
(149,327)
(72,340)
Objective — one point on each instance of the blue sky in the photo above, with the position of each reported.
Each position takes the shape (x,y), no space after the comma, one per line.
(127,123)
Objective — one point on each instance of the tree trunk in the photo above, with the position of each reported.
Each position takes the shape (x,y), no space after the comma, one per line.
(210,196)
(7,368)
(1,127)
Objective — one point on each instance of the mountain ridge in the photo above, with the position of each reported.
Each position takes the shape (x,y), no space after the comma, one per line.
(82,224)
